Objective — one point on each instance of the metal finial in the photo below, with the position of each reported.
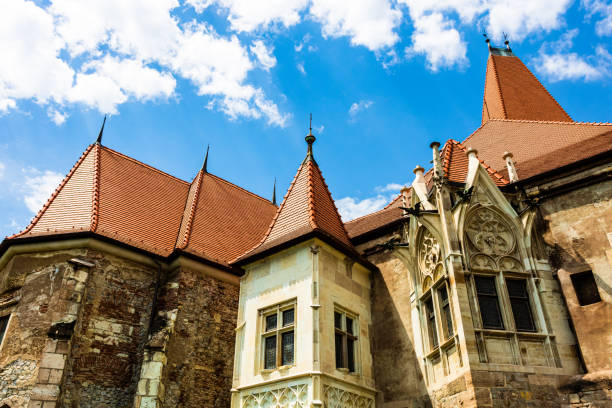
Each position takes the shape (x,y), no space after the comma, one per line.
(99,139)
(274,192)
(310,139)
(206,159)
(507,42)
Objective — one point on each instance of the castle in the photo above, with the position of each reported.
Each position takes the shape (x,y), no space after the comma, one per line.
(486,283)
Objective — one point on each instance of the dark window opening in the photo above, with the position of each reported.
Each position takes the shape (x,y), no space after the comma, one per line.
(345,341)
(287,348)
(278,338)
(447,318)
(3,326)
(488,302)
(431,323)
(519,300)
(270,353)
(585,288)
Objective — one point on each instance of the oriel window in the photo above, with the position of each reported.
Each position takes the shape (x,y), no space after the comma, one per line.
(278,338)
(488,302)
(345,330)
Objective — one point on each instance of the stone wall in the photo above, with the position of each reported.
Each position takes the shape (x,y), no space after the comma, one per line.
(578,230)
(200,350)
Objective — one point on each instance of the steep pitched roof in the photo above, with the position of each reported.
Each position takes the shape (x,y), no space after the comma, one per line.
(378,219)
(537,146)
(513,92)
(306,208)
(112,195)
(223,220)
(455,164)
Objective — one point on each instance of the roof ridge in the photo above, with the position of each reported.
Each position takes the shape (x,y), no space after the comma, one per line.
(489,169)
(546,90)
(144,164)
(278,211)
(499,90)
(239,188)
(560,122)
(55,193)
(311,199)
(332,201)
(194,204)
(95,203)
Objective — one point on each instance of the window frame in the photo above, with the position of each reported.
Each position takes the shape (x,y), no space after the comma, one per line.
(346,336)
(277,333)
(437,333)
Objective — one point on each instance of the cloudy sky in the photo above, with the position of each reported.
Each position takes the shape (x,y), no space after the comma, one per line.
(383,78)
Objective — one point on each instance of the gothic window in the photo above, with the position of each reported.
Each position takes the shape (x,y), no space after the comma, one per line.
(430,316)
(345,339)
(278,335)
(488,302)
(3,326)
(585,288)
(445,311)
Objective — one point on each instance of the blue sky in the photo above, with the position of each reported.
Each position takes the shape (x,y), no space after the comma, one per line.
(382,79)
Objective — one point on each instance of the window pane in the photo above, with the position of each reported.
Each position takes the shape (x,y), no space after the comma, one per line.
(443,295)
(519,301)
(349,325)
(288,317)
(350,355)
(337,320)
(585,288)
(485,285)
(339,351)
(271,322)
(489,311)
(487,300)
(3,324)
(287,350)
(270,352)
(448,320)
(431,323)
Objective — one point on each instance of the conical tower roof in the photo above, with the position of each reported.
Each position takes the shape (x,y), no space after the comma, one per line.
(513,92)
(307,210)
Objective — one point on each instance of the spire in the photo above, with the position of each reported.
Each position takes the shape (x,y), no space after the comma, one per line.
(204,166)
(274,192)
(99,139)
(307,210)
(310,139)
(513,92)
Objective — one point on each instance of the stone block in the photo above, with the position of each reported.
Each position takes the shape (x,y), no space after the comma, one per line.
(35,404)
(43,375)
(62,347)
(45,392)
(483,396)
(574,399)
(50,346)
(53,360)
(488,379)
(49,404)
(142,387)
(152,370)
(148,402)
(55,376)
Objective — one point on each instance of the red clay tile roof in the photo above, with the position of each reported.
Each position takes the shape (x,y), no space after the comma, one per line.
(116,196)
(455,164)
(306,208)
(513,92)
(375,220)
(537,146)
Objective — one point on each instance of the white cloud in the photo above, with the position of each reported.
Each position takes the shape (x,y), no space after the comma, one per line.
(249,15)
(604,10)
(391,187)
(370,23)
(56,116)
(436,38)
(300,67)
(357,107)
(103,53)
(350,208)
(557,63)
(39,187)
(2,167)
(264,54)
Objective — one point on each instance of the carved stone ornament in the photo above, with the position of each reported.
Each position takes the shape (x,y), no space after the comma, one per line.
(339,398)
(489,233)
(430,253)
(293,396)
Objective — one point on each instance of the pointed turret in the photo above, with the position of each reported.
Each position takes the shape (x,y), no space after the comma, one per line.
(307,210)
(513,92)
